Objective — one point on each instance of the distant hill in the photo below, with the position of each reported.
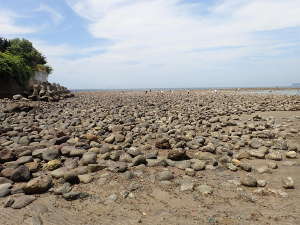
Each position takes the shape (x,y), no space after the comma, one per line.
(296,85)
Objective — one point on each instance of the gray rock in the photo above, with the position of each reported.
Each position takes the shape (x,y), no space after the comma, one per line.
(170,162)
(119,138)
(245,166)
(190,172)
(88,158)
(165,175)
(257,154)
(232,167)
(272,165)
(183,164)
(115,155)
(177,154)
(5,189)
(76,152)
(249,181)
(7,172)
(17,188)
(24,159)
(112,198)
(199,165)
(60,172)
(4,180)
(209,148)
(38,153)
(255,143)
(65,150)
(86,178)
(50,154)
(156,162)
(288,183)
(242,155)
(24,140)
(6,155)
(81,170)
(210,167)
(38,185)
(71,177)
(22,201)
(12,164)
(261,183)
(21,174)
(125,157)
(65,188)
(291,154)
(17,97)
(152,155)
(134,151)
(8,202)
(140,159)
(277,156)
(205,189)
(110,139)
(162,144)
(71,163)
(205,156)
(95,167)
(70,196)
(105,149)
(187,186)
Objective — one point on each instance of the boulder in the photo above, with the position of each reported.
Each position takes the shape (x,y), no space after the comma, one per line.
(38,185)
(21,174)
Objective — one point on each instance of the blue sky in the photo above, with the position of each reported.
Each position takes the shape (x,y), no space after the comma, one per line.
(161,43)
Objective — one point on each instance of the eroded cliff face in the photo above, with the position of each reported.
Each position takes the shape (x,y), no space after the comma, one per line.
(9,87)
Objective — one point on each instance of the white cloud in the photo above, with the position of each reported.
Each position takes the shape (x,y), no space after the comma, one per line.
(55,15)
(8,25)
(147,29)
(182,38)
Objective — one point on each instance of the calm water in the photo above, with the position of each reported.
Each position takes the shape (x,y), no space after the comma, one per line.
(279,92)
(276,92)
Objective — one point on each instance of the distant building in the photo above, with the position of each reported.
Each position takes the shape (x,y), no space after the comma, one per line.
(40,76)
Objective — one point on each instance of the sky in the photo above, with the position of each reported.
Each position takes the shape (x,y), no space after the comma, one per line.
(112,44)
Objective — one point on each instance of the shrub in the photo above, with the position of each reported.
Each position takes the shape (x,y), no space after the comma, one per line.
(4,44)
(15,67)
(19,59)
(25,49)
(43,68)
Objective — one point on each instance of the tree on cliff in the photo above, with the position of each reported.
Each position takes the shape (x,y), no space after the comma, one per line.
(19,59)
(14,67)
(4,44)
(25,49)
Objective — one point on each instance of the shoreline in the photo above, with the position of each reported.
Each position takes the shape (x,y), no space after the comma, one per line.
(133,157)
(187,89)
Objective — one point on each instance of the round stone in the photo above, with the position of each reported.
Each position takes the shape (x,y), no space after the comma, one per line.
(249,181)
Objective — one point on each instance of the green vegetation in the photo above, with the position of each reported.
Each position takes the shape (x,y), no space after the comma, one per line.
(19,59)
(4,44)
(15,66)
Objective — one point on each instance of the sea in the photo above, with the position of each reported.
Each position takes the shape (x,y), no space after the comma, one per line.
(280,91)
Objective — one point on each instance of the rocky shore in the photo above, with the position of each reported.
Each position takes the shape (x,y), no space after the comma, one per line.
(44,91)
(133,157)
